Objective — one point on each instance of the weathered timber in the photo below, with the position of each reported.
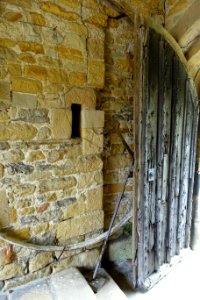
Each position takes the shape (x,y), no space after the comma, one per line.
(160,156)
(172,165)
(112,221)
(192,170)
(168,138)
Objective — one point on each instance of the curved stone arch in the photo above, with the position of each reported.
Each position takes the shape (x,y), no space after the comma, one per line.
(147,20)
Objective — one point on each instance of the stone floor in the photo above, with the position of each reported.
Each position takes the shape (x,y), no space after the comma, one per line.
(181,283)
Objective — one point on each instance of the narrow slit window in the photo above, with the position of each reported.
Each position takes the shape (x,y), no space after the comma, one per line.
(76,120)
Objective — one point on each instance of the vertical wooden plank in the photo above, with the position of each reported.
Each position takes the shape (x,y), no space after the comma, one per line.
(172,164)
(151,141)
(160,158)
(194,101)
(180,77)
(141,36)
(184,170)
(166,133)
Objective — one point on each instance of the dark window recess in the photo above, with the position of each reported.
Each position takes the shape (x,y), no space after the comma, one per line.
(76,120)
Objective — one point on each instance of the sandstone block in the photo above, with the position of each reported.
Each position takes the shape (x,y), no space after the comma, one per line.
(92,143)
(61,123)
(44,133)
(21,234)
(74,209)
(117,162)
(35,156)
(4,116)
(86,180)
(27,211)
(57,184)
(57,76)
(86,97)
(37,19)
(96,18)
(95,48)
(7,43)
(30,86)
(34,115)
(17,132)
(94,199)
(90,3)
(13,16)
(15,69)
(92,119)
(4,210)
(76,28)
(23,190)
(31,47)
(27,58)
(1,170)
(88,164)
(96,73)
(3,72)
(24,100)
(75,41)
(77,78)
(13,156)
(5,90)
(40,261)
(80,225)
(11,270)
(35,72)
(58,11)
(39,228)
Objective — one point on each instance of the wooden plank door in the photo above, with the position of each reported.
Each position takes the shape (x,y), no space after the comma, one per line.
(169,124)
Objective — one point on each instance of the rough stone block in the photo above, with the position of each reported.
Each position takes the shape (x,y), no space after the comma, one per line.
(35,72)
(4,116)
(88,164)
(85,97)
(30,86)
(31,47)
(57,184)
(58,11)
(17,132)
(94,199)
(34,115)
(93,17)
(15,69)
(1,170)
(61,123)
(11,270)
(37,19)
(12,156)
(77,78)
(96,73)
(5,91)
(4,210)
(92,119)
(40,261)
(80,225)
(95,48)
(92,143)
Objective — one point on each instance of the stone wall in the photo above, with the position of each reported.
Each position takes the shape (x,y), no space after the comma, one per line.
(116,100)
(51,56)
